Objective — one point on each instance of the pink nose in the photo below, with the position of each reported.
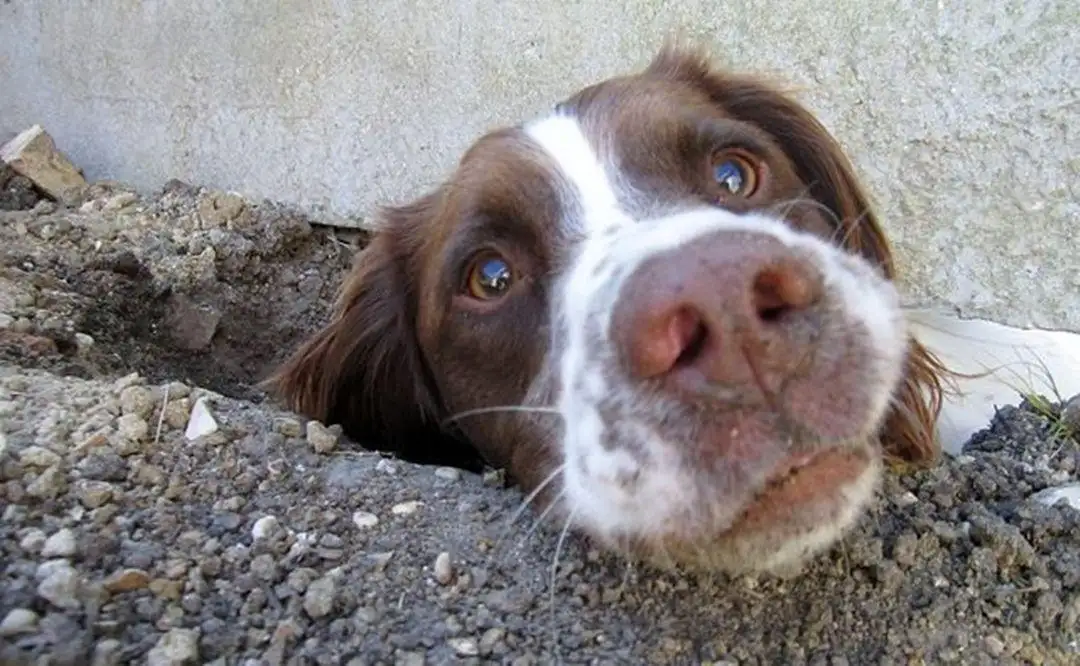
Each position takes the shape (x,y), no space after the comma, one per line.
(731,308)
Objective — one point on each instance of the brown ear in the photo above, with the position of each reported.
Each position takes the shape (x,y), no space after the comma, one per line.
(909,434)
(365,371)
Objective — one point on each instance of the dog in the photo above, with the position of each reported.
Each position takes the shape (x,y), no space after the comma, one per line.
(666,309)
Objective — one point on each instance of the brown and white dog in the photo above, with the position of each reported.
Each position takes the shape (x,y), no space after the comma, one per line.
(666,308)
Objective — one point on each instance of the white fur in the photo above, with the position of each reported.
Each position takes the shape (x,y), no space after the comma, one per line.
(596,479)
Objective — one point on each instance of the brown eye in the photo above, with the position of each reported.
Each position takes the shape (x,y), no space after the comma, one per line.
(736,174)
(490,277)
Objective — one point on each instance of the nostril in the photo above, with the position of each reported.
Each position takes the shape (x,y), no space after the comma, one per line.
(779,290)
(694,344)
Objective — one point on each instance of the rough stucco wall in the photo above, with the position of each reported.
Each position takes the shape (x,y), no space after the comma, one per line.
(957,114)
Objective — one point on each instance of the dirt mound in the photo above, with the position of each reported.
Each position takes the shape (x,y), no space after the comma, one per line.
(190,284)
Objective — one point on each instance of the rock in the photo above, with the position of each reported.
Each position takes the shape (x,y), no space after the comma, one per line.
(365,520)
(107,653)
(34,154)
(138,400)
(265,528)
(38,456)
(127,580)
(220,207)
(406,508)
(444,570)
(322,438)
(48,484)
(192,325)
(288,426)
(33,540)
(465,647)
(1070,414)
(319,597)
(19,621)
(119,201)
(133,427)
(201,422)
(60,544)
(448,473)
(1068,493)
(59,584)
(93,494)
(176,647)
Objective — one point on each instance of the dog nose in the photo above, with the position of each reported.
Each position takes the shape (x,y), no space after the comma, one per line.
(727,308)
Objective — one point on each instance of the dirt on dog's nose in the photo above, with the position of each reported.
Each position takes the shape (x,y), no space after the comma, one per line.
(722,309)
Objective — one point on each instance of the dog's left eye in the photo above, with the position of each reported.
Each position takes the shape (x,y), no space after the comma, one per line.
(490,277)
(735,173)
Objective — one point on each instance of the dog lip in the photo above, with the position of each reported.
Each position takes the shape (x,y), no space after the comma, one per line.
(799,481)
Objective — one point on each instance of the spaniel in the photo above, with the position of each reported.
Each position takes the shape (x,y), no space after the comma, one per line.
(666,309)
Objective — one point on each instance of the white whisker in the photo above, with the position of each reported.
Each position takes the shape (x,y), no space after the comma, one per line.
(500,408)
(554,576)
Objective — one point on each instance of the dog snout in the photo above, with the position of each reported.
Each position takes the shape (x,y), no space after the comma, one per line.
(731,308)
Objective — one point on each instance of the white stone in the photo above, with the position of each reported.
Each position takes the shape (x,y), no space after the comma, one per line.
(201,422)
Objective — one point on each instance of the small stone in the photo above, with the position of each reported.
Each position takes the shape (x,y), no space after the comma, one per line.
(38,456)
(365,520)
(177,647)
(192,325)
(84,342)
(94,493)
(133,427)
(386,466)
(107,653)
(406,508)
(127,580)
(491,638)
(60,544)
(119,201)
(33,541)
(444,570)
(265,528)
(138,400)
(1068,493)
(322,438)
(448,473)
(201,422)
(464,647)
(1070,414)
(495,477)
(319,597)
(59,585)
(166,589)
(19,621)
(289,426)
(33,154)
(48,484)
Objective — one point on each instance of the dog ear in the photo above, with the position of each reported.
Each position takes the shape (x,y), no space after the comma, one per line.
(365,369)
(909,433)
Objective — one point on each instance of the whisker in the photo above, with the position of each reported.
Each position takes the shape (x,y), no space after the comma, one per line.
(500,408)
(525,505)
(554,574)
(532,496)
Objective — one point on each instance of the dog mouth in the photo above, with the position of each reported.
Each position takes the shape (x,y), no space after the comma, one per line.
(800,483)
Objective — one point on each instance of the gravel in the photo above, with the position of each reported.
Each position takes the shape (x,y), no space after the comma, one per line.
(131,532)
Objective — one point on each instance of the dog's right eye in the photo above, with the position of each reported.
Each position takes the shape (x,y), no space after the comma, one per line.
(489,278)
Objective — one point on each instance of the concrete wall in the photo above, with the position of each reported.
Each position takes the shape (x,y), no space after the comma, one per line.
(962,116)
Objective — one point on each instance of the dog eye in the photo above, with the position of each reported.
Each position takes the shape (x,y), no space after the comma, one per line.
(735,173)
(490,277)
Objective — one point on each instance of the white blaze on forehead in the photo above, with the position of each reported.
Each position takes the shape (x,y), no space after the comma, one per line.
(562,138)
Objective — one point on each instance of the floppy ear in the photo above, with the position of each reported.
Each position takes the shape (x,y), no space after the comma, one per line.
(909,434)
(365,370)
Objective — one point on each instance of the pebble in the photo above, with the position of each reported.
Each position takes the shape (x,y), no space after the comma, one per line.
(107,653)
(138,400)
(464,647)
(265,528)
(132,427)
(448,473)
(60,544)
(19,621)
(444,570)
(38,456)
(288,426)
(59,584)
(33,540)
(94,493)
(406,508)
(201,422)
(319,597)
(1068,493)
(177,647)
(48,484)
(365,520)
(322,438)
(1070,414)
(127,580)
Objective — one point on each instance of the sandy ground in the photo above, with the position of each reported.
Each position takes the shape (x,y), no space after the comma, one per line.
(270,541)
